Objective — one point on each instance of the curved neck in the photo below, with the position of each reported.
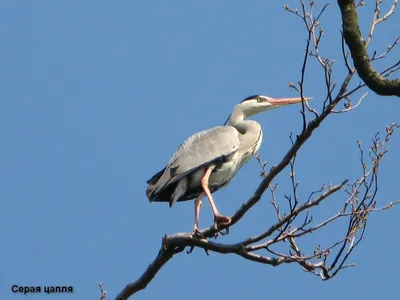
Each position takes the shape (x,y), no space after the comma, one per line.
(236,117)
(237,120)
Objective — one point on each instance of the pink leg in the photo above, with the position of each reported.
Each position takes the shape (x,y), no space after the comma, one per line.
(218,218)
(197,206)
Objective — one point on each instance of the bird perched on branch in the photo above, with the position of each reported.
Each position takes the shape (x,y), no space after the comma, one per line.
(209,159)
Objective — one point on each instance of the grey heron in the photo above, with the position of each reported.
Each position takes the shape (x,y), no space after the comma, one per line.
(209,159)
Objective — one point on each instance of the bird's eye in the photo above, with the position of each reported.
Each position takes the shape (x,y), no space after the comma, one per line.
(259,99)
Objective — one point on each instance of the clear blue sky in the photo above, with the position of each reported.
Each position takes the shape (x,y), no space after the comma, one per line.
(95,98)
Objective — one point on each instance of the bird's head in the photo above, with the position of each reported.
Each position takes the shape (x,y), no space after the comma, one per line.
(255,104)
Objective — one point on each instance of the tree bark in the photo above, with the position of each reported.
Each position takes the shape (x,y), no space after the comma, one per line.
(361,59)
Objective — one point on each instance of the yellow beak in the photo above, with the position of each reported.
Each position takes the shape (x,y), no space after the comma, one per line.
(284,101)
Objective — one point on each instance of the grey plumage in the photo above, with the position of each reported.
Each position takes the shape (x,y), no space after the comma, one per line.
(208,160)
(215,146)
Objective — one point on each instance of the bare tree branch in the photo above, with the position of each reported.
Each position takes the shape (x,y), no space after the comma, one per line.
(359,211)
(103,293)
(166,252)
(297,222)
(349,107)
(358,50)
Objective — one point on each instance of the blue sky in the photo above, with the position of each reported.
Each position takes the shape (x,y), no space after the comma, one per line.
(97,95)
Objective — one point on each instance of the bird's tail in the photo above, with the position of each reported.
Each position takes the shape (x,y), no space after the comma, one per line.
(152,185)
(149,192)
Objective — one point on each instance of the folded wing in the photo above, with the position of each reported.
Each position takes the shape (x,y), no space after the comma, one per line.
(200,150)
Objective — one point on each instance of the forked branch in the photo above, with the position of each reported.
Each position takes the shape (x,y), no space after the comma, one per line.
(358,48)
(326,261)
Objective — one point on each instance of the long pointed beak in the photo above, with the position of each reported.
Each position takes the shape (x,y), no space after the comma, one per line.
(285,101)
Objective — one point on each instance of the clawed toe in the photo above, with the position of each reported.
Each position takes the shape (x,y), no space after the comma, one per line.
(198,234)
(221,221)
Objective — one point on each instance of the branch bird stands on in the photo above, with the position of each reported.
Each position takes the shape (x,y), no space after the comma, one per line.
(209,159)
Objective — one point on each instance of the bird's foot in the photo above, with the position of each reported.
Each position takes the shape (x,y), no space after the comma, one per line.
(197,233)
(220,220)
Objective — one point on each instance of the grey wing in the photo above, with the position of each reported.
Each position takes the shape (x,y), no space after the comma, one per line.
(200,149)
